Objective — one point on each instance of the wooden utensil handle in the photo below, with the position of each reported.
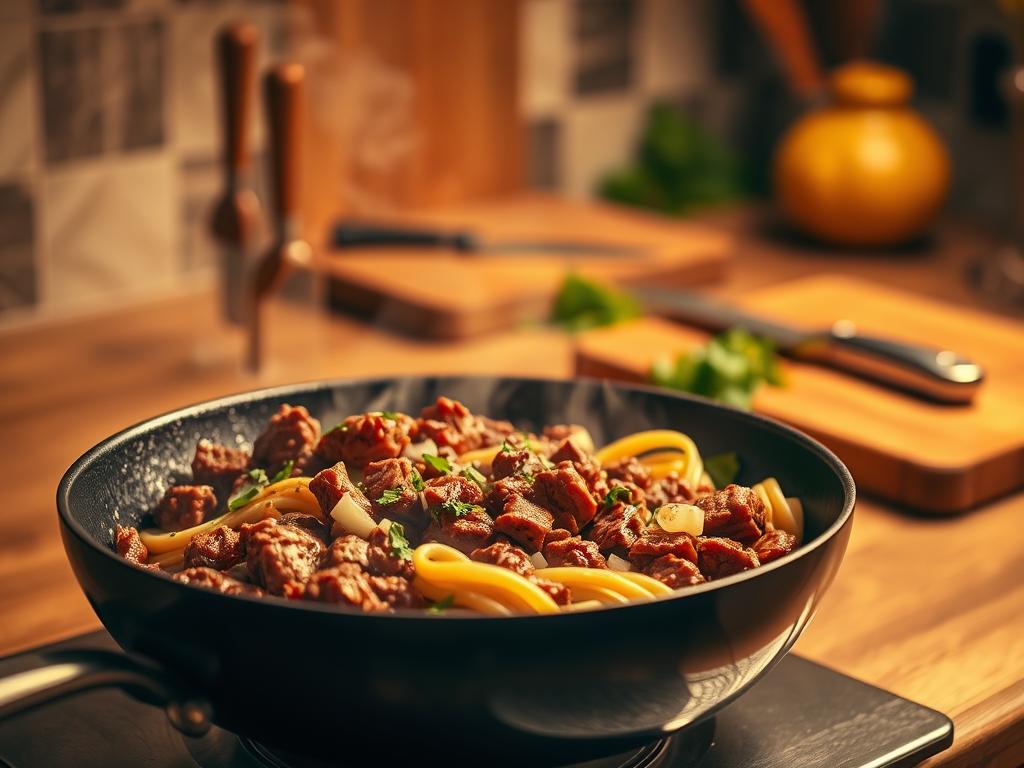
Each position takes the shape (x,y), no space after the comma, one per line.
(283,94)
(784,25)
(236,61)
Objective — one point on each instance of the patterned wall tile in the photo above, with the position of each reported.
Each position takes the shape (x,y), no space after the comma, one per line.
(676,53)
(545,56)
(597,137)
(110,229)
(72,93)
(604,33)
(17,100)
(543,154)
(135,84)
(17,239)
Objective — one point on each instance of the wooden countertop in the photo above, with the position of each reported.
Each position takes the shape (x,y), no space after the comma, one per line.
(932,609)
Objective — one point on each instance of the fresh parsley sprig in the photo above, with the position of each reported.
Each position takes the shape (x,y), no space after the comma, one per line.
(391,495)
(397,542)
(438,463)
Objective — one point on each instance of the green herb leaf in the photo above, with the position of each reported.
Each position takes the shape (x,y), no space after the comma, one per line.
(258,476)
(458,508)
(243,497)
(390,415)
(442,605)
(416,481)
(341,426)
(582,304)
(398,543)
(729,368)
(474,474)
(507,447)
(617,494)
(284,473)
(722,468)
(439,463)
(391,495)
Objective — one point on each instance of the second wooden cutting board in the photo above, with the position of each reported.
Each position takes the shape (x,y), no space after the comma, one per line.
(932,457)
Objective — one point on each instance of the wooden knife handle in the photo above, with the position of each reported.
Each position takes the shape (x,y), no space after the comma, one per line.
(784,25)
(283,89)
(236,60)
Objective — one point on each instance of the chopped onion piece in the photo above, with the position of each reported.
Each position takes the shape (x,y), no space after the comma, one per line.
(681,518)
(415,451)
(616,563)
(538,560)
(349,517)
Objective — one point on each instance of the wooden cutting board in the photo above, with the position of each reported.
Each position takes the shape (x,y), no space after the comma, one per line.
(932,457)
(443,294)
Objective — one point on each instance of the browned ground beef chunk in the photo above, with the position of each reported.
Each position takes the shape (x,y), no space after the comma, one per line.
(515,462)
(346,549)
(366,437)
(290,435)
(451,488)
(617,528)
(557,534)
(735,512)
(389,487)
(329,485)
(673,571)
(277,555)
(494,431)
(505,489)
(773,545)
(718,557)
(449,423)
(382,561)
(130,546)
(558,592)
(569,450)
(585,464)
(655,543)
(629,470)
(506,555)
(566,495)
(575,552)
(348,584)
(671,489)
(184,506)
(218,465)
(311,523)
(209,578)
(464,532)
(219,549)
(524,522)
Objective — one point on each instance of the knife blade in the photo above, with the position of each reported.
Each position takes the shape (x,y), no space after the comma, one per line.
(933,372)
(355,234)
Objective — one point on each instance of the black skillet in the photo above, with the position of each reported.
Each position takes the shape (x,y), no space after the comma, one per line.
(413,687)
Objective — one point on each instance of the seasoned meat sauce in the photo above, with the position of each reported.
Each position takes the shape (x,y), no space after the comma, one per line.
(542,498)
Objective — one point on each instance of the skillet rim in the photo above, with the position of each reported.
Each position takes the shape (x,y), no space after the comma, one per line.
(282,604)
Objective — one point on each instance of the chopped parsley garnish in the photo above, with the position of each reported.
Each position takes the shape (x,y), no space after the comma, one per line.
(442,605)
(583,304)
(722,468)
(258,476)
(243,497)
(283,474)
(458,508)
(728,368)
(416,481)
(391,495)
(438,463)
(390,415)
(474,474)
(507,447)
(398,543)
(615,495)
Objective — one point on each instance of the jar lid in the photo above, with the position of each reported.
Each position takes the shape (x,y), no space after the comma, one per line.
(869,84)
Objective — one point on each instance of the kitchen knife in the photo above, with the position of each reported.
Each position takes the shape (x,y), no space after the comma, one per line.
(933,372)
(357,234)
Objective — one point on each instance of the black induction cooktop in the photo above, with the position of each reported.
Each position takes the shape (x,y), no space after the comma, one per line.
(800,714)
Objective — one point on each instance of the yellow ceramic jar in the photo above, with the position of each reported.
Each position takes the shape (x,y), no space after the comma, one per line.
(865,170)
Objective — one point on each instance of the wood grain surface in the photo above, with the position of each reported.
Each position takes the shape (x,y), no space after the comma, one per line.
(934,457)
(932,609)
(441,294)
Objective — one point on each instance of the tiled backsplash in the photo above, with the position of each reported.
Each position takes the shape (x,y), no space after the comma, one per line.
(109,121)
